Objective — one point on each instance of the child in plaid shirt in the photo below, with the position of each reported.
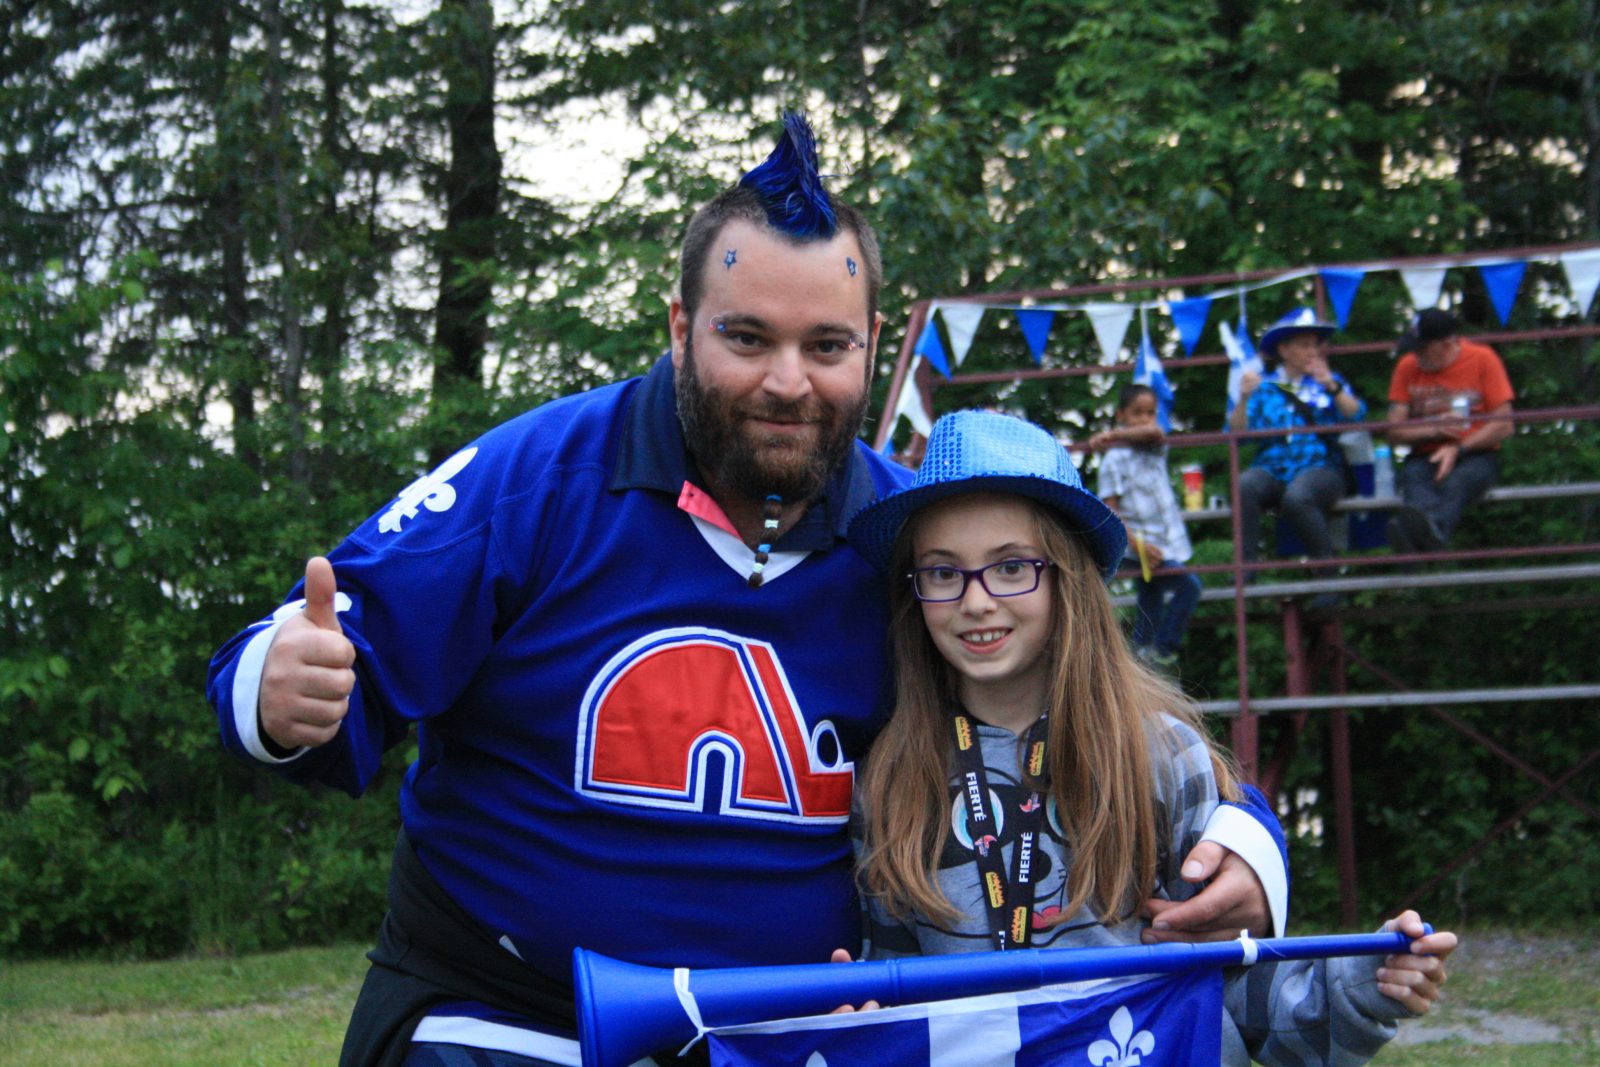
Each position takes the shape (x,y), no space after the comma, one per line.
(1135,484)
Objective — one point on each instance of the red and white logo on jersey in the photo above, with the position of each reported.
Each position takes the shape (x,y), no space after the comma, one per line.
(670,701)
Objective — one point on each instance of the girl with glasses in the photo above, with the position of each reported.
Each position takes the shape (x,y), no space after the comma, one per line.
(1036,782)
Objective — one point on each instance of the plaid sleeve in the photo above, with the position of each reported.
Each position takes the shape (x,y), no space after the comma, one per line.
(1298,1012)
(1186,793)
(1287,1014)
(1113,473)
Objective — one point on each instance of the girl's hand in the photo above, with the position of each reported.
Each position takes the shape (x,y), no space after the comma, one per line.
(842,956)
(1416,978)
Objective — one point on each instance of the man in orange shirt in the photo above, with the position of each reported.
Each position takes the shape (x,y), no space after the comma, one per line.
(1440,389)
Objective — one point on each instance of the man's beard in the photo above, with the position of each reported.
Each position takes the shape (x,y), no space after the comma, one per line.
(755,466)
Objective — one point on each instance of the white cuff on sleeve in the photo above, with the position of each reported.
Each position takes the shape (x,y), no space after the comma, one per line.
(1239,831)
(247,693)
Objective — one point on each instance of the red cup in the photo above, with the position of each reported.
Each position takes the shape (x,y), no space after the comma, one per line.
(1194,487)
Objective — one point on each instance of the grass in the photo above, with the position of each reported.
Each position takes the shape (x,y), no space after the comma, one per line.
(288,1009)
(1500,977)
(271,1010)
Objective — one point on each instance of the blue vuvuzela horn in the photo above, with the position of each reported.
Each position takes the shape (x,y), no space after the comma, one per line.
(627,1011)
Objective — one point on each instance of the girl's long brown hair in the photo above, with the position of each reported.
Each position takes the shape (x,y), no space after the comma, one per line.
(1102,701)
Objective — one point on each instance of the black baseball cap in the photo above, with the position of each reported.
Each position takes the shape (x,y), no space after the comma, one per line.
(1435,325)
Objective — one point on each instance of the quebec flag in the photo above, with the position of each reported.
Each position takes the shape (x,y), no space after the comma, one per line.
(1242,358)
(1147,371)
(1173,1020)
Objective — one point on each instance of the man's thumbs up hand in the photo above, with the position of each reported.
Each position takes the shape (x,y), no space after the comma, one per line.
(320,590)
(307,678)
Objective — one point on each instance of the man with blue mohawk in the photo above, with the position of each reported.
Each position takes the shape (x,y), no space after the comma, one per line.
(640,657)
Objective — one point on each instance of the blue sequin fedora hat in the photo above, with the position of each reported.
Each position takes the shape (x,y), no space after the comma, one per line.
(972,451)
(1300,320)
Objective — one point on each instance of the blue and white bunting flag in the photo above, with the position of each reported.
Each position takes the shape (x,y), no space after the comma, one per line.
(910,403)
(1189,316)
(1502,281)
(1147,371)
(1036,324)
(1341,284)
(1171,1020)
(1242,357)
(1110,322)
(1583,276)
(929,347)
(1424,284)
(961,323)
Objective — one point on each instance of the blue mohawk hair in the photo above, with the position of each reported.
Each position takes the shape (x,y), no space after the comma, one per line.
(790,187)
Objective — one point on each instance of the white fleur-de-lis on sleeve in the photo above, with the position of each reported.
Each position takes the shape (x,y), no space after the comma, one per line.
(432,491)
(1130,1048)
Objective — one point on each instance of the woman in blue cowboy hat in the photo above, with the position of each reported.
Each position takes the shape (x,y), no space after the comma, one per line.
(1036,782)
(1300,474)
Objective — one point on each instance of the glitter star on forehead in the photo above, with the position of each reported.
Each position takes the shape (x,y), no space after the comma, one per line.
(850,265)
(730,259)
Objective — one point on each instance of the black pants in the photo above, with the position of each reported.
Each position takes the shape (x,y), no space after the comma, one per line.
(430,951)
(1443,502)
(1304,503)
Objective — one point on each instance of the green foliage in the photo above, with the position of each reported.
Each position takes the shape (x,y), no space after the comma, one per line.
(151,427)
(66,888)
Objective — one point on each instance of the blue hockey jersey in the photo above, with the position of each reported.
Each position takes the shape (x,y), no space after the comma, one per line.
(622,745)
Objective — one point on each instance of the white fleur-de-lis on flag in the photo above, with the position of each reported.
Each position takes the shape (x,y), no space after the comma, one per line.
(1130,1048)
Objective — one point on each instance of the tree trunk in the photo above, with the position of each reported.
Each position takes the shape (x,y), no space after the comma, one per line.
(1589,97)
(329,343)
(287,240)
(227,210)
(472,199)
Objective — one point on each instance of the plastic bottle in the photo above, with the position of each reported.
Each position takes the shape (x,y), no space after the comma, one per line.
(1382,470)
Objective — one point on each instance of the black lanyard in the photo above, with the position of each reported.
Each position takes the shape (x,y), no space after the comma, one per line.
(1008,902)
